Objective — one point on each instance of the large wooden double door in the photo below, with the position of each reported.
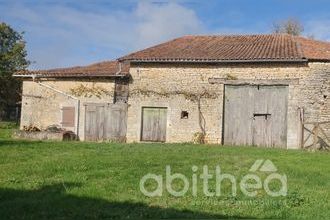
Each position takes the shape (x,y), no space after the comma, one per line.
(255,115)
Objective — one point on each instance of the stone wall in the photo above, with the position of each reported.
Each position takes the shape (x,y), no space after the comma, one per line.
(41,106)
(172,85)
(177,87)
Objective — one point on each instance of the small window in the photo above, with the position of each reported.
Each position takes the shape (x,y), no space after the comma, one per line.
(184,115)
(68,116)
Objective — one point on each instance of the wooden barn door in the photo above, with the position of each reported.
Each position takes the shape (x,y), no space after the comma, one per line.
(116,122)
(105,121)
(94,122)
(255,115)
(154,122)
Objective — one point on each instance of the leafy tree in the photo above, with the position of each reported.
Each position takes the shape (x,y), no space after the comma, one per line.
(12,59)
(290,26)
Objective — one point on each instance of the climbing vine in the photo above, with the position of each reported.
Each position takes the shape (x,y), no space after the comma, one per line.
(199,137)
(192,96)
(231,77)
(89,92)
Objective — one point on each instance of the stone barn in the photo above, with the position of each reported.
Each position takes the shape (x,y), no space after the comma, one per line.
(260,90)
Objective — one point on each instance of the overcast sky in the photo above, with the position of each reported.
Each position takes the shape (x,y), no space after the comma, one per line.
(69,33)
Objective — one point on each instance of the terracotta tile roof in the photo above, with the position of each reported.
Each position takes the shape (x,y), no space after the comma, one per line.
(314,50)
(106,68)
(234,48)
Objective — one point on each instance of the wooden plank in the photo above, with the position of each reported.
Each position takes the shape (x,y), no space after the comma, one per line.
(260,117)
(105,121)
(315,136)
(301,125)
(293,81)
(93,105)
(277,105)
(90,125)
(261,132)
(238,103)
(146,124)
(154,122)
(100,123)
(162,123)
(323,132)
(94,122)
(255,115)
(123,121)
(116,122)
(111,125)
(271,129)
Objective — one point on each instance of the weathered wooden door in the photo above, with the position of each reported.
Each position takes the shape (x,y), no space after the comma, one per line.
(255,115)
(154,122)
(116,122)
(94,123)
(105,121)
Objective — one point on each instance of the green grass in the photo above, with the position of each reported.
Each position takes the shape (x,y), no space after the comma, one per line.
(77,180)
(6,129)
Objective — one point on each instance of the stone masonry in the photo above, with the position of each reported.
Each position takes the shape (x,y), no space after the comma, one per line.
(170,85)
(41,106)
(179,87)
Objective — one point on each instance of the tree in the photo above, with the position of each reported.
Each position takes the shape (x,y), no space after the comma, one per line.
(289,26)
(12,59)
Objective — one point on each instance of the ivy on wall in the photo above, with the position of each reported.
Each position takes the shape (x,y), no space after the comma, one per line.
(199,137)
(87,91)
(192,96)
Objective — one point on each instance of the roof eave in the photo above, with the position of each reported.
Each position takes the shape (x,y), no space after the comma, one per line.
(217,61)
(319,60)
(69,76)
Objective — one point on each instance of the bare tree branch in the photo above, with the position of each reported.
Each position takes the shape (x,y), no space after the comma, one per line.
(289,26)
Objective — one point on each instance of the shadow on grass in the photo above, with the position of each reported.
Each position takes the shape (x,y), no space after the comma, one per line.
(53,202)
(18,142)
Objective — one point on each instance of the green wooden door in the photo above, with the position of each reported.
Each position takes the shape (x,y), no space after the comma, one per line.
(154,122)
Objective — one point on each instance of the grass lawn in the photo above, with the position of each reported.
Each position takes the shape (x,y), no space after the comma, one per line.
(75,180)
